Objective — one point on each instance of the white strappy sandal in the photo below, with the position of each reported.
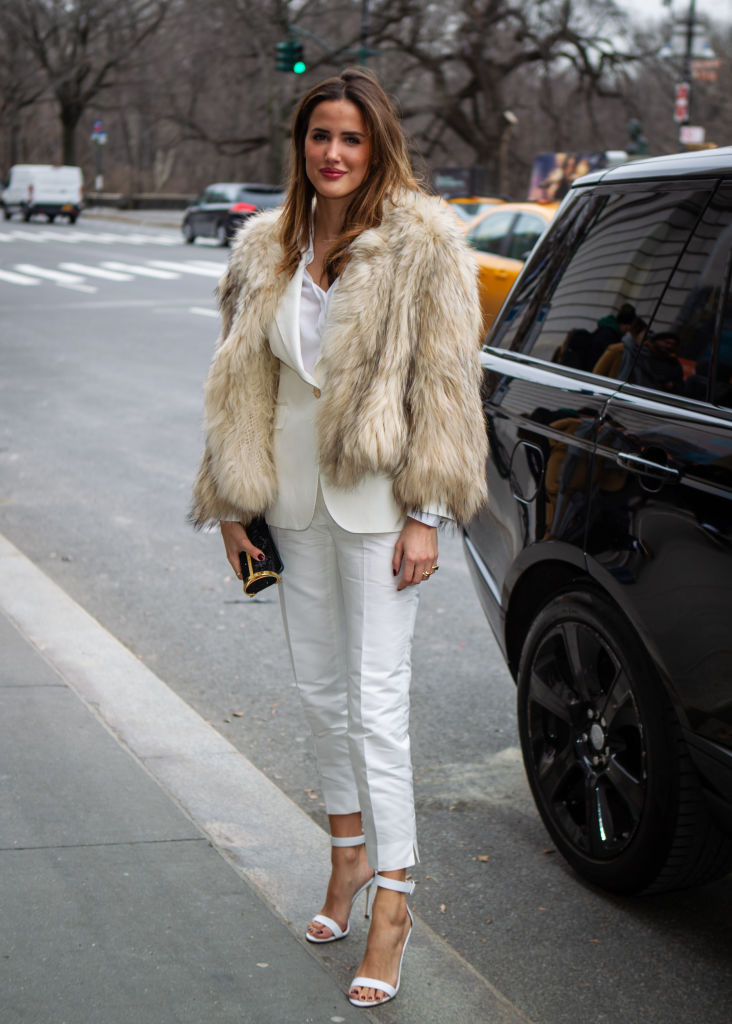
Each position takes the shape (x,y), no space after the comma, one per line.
(383,986)
(328,922)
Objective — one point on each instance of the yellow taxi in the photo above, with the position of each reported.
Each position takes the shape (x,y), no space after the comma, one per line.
(502,236)
(468,208)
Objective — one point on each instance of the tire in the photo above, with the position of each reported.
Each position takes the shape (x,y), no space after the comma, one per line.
(222,235)
(73,218)
(51,217)
(6,213)
(606,762)
(189,235)
(26,214)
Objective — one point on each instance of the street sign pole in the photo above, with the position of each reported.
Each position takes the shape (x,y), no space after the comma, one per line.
(99,138)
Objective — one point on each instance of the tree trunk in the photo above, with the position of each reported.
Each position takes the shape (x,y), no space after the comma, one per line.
(70,115)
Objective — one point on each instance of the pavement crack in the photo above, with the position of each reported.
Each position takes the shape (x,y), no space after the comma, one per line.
(91,846)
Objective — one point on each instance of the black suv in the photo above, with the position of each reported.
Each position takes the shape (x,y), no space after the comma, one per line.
(223,207)
(604,560)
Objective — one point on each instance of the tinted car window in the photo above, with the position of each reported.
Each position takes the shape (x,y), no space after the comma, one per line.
(544,269)
(490,234)
(689,311)
(262,198)
(625,258)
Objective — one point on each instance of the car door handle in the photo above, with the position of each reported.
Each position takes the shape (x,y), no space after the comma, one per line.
(647,466)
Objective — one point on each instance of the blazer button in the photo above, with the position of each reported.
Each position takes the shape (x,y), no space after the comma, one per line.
(316,392)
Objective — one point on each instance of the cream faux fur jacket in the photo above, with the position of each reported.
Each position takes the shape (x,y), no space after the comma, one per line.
(402,369)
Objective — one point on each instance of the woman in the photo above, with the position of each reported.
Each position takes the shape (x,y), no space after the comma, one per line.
(343,404)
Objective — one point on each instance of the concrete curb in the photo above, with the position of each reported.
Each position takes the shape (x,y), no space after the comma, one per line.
(249,820)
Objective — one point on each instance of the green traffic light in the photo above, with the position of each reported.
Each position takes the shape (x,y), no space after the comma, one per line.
(299,67)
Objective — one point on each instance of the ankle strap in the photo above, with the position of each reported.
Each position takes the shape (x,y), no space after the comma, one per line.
(347,840)
(391,883)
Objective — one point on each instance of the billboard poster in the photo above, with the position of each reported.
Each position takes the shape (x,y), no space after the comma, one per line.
(553,173)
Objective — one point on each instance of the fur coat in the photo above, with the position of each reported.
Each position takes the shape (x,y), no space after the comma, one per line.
(400,352)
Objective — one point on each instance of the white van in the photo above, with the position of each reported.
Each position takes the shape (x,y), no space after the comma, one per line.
(43,188)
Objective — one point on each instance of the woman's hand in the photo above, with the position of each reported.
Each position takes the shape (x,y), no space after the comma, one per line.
(415,553)
(235,541)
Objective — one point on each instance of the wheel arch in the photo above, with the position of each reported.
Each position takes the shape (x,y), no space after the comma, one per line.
(543,581)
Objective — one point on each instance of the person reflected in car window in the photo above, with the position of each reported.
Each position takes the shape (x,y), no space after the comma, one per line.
(656,364)
(610,330)
(619,358)
(573,350)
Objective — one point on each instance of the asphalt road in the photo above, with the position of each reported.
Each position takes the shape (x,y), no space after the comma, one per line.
(106,333)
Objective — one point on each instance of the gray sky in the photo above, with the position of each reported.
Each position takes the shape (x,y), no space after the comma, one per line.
(651,10)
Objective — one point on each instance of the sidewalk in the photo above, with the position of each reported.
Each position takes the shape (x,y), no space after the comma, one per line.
(147,869)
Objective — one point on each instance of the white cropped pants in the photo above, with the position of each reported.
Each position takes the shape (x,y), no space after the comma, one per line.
(350,637)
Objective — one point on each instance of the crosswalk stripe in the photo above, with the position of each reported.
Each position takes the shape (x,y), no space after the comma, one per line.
(133,268)
(220,267)
(187,268)
(108,275)
(202,311)
(27,236)
(60,276)
(11,278)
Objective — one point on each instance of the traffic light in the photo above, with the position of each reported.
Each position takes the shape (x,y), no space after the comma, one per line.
(289,57)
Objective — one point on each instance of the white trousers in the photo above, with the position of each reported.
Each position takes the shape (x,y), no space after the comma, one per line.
(350,637)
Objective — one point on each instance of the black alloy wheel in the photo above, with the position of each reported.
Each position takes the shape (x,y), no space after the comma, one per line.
(189,234)
(603,752)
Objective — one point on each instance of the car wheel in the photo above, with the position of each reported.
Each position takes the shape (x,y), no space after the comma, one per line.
(189,235)
(608,768)
(26,214)
(6,213)
(222,235)
(72,218)
(51,217)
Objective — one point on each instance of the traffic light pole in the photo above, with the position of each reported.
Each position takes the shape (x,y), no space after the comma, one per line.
(689,50)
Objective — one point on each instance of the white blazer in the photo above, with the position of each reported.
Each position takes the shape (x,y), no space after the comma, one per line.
(367,508)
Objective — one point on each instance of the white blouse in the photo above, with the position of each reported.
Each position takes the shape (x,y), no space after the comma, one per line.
(314,304)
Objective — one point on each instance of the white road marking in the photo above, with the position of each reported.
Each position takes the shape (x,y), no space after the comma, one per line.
(11,278)
(187,268)
(28,236)
(133,268)
(108,275)
(59,277)
(202,311)
(221,267)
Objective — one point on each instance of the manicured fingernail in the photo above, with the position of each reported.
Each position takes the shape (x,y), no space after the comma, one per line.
(260,558)
(393,572)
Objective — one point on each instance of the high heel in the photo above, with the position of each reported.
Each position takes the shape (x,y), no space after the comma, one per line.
(328,922)
(379,881)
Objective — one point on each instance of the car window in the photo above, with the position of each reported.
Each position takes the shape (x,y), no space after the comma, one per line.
(527,307)
(490,234)
(526,232)
(616,275)
(688,344)
(263,199)
(217,194)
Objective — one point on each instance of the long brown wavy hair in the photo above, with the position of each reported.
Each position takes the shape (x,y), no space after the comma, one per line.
(389,173)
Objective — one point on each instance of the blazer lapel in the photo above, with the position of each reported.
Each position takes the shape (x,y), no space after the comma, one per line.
(287,320)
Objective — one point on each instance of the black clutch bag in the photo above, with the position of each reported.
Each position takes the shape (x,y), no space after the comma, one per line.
(258,575)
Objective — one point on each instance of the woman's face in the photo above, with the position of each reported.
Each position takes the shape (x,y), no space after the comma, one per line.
(337,149)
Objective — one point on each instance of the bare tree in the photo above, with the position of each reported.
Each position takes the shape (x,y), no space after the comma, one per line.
(82,47)
(467,54)
(21,86)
